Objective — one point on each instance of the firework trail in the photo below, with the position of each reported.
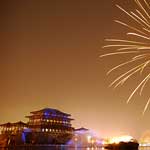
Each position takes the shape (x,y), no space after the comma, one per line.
(139,50)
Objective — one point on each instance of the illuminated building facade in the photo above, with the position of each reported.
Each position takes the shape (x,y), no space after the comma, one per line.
(145,138)
(45,126)
(50,120)
(51,124)
(13,128)
(85,138)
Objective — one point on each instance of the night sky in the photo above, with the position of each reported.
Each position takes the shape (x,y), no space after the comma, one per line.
(49,57)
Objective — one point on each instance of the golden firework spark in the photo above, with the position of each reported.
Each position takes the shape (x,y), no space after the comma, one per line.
(139,50)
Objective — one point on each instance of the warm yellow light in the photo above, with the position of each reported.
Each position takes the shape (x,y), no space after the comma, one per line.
(89,138)
(92,141)
(124,138)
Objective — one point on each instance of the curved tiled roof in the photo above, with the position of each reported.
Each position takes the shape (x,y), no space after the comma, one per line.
(50,110)
(9,124)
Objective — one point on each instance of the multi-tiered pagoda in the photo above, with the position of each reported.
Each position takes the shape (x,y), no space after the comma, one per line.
(45,126)
(50,126)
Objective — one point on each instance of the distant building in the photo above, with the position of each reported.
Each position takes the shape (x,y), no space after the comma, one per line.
(13,128)
(85,138)
(11,133)
(145,138)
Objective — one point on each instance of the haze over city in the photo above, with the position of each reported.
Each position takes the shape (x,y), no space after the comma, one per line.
(49,57)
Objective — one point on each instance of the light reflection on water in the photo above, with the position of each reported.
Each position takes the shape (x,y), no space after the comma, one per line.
(59,148)
(143,148)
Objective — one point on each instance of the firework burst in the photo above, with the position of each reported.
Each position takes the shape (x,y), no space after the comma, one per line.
(139,50)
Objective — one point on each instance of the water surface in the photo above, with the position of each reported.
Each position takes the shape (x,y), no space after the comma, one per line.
(58,148)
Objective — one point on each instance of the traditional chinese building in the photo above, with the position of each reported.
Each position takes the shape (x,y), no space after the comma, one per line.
(51,124)
(12,128)
(45,126)
(50,120)
(84,137)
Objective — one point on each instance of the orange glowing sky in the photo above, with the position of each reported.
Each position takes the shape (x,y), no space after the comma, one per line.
(49,57)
